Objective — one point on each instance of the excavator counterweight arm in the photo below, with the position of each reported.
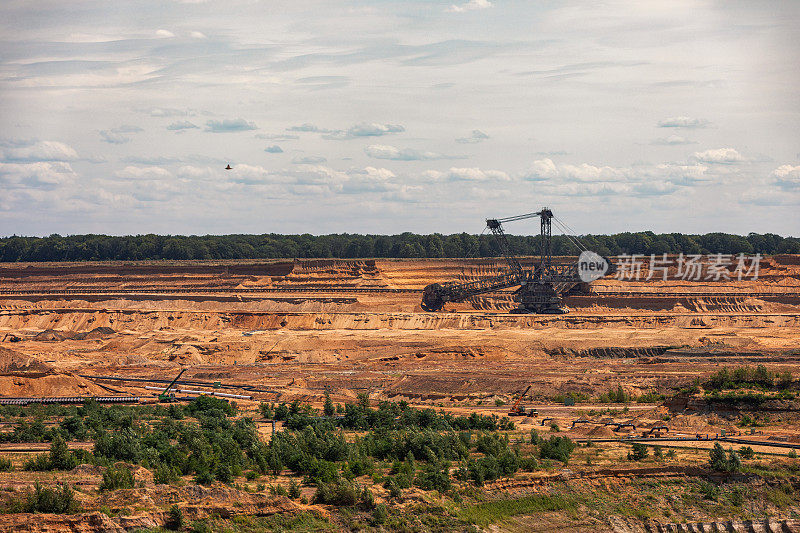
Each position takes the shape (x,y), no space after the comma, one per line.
(540,289)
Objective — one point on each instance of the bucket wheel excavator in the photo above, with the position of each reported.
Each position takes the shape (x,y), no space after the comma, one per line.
(540,288)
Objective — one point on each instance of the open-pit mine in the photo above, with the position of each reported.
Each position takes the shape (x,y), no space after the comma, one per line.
(629,362)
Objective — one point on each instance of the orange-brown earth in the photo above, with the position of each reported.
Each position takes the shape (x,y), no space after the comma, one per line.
(302,343)
(62,322)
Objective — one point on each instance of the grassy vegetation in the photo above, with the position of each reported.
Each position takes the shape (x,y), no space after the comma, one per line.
(485,513)
(303,522)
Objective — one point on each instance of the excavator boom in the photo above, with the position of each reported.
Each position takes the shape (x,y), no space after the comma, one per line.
(540,289)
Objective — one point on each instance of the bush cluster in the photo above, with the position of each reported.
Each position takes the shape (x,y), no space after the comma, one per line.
(117,477)
(724,463)
(57,500)
(59,458)
(747,377)
(204,441)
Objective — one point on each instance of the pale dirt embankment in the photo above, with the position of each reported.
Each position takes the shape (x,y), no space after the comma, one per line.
(382,341)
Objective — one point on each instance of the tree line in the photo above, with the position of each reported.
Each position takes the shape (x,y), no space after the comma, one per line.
(344,245)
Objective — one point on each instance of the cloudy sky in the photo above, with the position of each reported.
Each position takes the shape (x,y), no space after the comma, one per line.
(378,116)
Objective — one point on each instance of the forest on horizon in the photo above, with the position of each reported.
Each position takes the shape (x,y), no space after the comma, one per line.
(345,246)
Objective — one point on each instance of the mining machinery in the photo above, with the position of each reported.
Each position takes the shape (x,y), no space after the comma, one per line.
(168,396)
(517,409)
(540,288)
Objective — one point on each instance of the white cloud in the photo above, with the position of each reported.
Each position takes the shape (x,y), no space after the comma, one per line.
(645,180)
(274,149)
(230,125)
(182,125)
(545,169)
(787,177)
(276,136)
(164,34)
(379,173)
(188,172)
(113,138)
(542,169)
(680,174)
(308,160)
(30,151)
(369,179)
(468,174)
(683,122)
(248,174)
(149,173)
(197,35)
(120,135)
(469,6)
(41,174)
(307,127)
(722,156)
(364,129)
(475,137)
(380,151)
(166,112)
(673,140)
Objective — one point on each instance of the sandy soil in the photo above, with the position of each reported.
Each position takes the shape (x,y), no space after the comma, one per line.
(301,343)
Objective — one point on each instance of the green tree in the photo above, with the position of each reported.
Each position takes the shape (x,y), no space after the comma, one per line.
(328,408)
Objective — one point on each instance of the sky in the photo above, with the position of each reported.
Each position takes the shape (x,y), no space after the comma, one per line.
(386,116)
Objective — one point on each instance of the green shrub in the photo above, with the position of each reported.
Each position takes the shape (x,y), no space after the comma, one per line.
(38,463)
(746,452)
(278,490)
(528,464)
(393,487)
(60,456)
(558,448)
(175,519)
(724,463)
(165,474)
(5,465)
(617,395)
(434,477)
(658,452)
(281,412)
(294,489)
(328,407)
(367,498)
(204,477)
(340,492)
(117,477)
(736,497)
(638,452)
(266,410)
(200,527)
(205,404)
(651,397)
(380,514)
(45,500)
(708,490)
(223,473)
(747,377)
